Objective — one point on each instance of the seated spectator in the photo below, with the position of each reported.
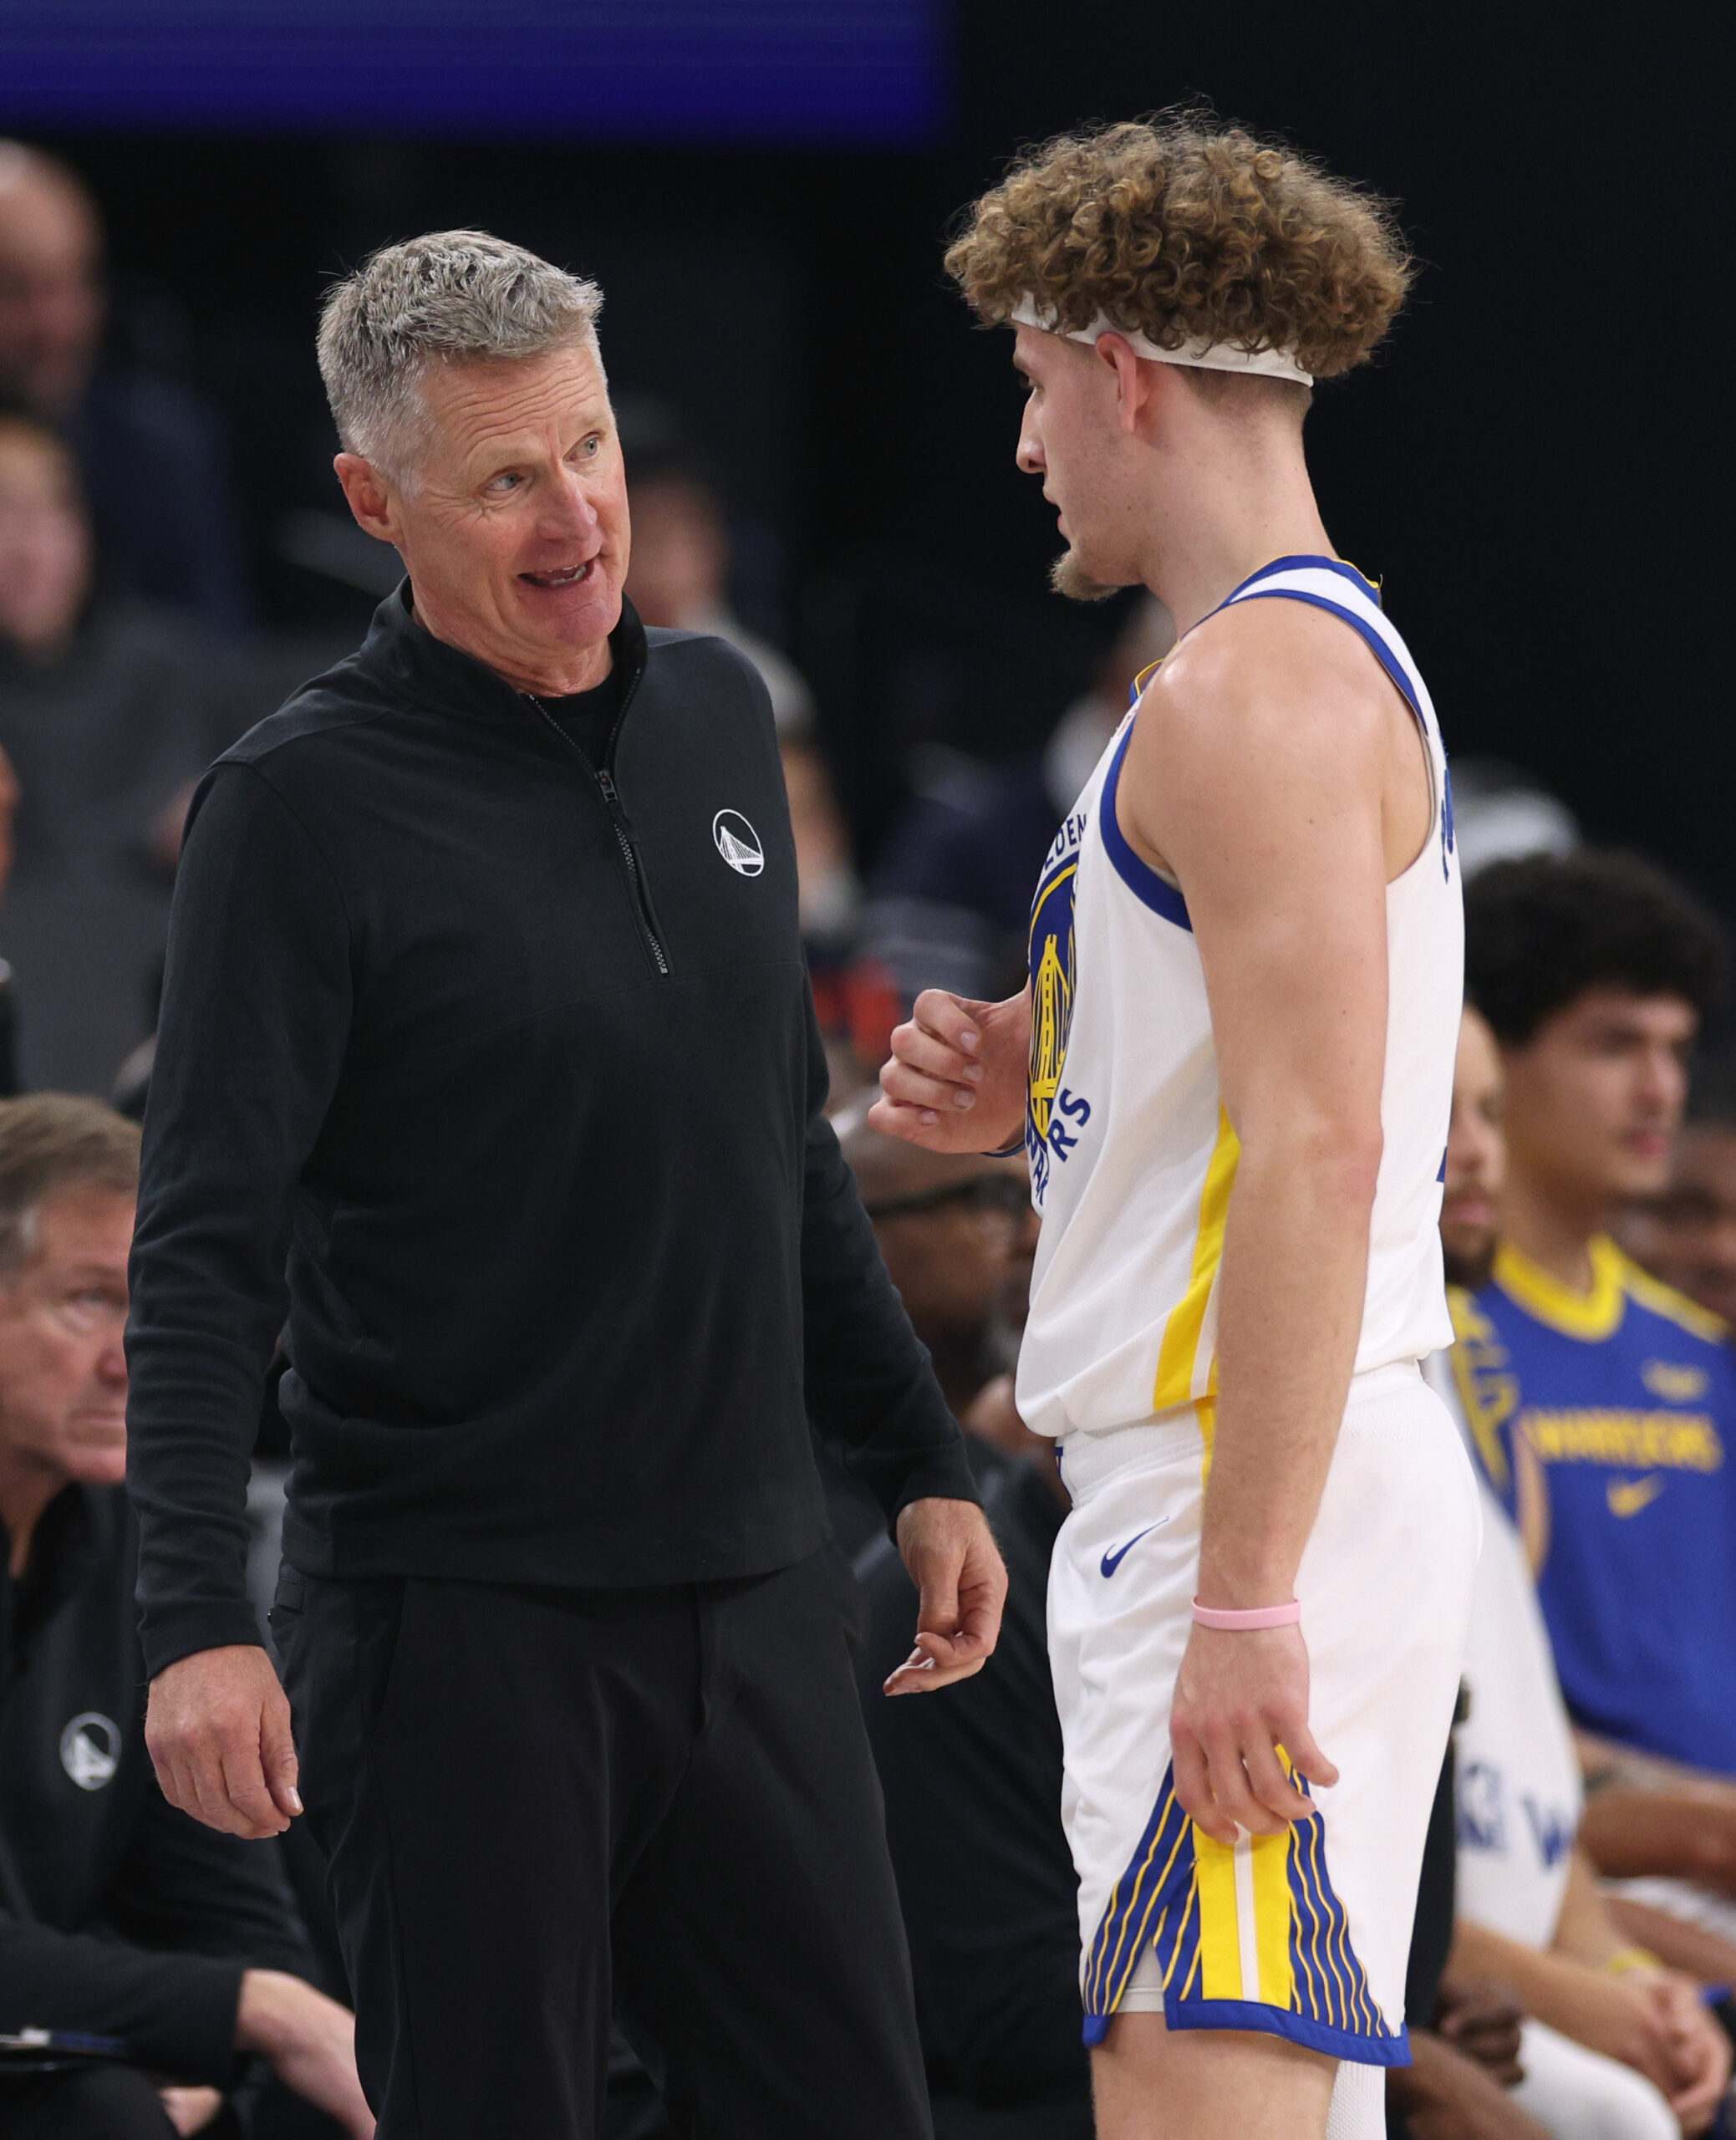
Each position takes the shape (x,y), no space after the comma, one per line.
(109,712)
(120,1917)
(1686,1237)
(150,454)
(1601,1403)
(679,572)
(854,999)
(1617,2045)
(949,900)
(958,1235)
(989,1893)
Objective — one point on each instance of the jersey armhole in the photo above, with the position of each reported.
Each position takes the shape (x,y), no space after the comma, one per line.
(1395,675)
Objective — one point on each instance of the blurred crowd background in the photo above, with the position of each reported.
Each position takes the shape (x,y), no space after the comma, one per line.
(819,449)
(821,443)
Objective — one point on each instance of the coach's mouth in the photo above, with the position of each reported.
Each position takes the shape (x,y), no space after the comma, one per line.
(555,582)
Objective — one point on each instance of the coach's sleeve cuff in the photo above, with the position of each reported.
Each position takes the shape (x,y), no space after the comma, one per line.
(170,1633)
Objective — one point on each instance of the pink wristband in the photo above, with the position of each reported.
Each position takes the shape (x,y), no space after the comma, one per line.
(1262,1616)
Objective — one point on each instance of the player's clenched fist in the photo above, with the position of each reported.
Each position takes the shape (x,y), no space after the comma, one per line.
(956,1079)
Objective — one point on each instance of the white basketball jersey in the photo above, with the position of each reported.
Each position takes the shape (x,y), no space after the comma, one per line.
(1133,1156)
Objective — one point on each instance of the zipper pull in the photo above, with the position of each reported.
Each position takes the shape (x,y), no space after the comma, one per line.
(605,780)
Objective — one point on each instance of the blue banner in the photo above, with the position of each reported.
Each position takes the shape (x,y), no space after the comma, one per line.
(814,72)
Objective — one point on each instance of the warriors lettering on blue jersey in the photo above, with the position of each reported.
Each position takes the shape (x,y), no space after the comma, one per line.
(1604,1423)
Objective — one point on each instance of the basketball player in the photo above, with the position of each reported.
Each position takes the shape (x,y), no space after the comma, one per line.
(1246,955)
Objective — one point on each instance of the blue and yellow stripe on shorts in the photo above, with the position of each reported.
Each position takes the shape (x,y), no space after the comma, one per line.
(1263,1944)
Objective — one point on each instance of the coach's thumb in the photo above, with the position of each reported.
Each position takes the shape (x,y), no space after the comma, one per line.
(937,1612)
(277,1757)
(1307,1759)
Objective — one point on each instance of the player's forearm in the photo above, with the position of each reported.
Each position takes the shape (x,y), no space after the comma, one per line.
(1633,1833)
(1604,1764)
(1585,1931)
(1294,1273)
(1548,1986)
(1678,1944)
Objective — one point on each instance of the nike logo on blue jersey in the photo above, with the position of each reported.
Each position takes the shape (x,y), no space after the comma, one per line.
(1116,1554)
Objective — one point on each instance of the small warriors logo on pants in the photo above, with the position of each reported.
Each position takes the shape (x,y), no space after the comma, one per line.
(90,1750)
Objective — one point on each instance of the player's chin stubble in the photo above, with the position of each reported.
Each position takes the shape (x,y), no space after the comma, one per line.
(1068,577)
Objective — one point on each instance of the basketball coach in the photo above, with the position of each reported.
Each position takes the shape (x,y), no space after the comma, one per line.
(486,1019)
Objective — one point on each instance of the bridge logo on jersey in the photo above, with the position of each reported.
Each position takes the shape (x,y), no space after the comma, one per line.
(1057,1115)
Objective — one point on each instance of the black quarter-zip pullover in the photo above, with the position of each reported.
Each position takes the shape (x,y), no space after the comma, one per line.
(508,1058)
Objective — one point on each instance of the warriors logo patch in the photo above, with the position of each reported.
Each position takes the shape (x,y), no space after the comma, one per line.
(1055,1114)
(738,843)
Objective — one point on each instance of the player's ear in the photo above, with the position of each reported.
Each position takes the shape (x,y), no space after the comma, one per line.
(1133,387)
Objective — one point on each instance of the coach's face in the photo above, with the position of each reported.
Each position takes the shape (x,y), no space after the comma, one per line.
(513,522)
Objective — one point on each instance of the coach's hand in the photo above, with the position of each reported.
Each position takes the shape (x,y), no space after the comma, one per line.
(957,1570)
(956,1080)
(218,1729)
(1239,1697)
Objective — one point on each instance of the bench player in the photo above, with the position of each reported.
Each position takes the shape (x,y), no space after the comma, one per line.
(1246,951)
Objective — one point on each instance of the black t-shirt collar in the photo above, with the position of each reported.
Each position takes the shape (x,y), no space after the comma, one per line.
(434,676)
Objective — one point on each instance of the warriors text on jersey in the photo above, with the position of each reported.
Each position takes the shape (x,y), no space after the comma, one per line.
(1604,1423)
(1133,1155)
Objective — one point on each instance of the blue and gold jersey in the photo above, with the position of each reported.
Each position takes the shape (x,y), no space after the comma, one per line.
(1604,1422)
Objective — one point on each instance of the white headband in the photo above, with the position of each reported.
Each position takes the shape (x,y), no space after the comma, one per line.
(1204,356)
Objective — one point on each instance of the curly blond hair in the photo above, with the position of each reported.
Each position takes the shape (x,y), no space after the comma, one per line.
(1183,230)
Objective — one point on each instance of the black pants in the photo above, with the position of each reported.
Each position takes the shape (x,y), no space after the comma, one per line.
(98,2103)
(535,1799)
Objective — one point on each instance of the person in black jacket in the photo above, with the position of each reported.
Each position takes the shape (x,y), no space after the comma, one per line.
(486,1009)
(120,1919)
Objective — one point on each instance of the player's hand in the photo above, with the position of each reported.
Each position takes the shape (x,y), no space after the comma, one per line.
(956,1079)
(190,2110)
(218,1732)
(1239,1697)
(961,1584)
(1443,2095)
(1652,2020)
(1698,2052)
(1485,2021)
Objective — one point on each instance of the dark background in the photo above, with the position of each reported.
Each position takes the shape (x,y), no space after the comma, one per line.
(1534,466)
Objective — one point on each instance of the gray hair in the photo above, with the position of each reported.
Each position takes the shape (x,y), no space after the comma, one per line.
(453,295)
(53,1145)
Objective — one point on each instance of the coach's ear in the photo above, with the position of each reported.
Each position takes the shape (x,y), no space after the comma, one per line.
(370,495)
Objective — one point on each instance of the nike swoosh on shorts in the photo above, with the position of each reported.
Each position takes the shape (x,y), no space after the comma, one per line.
(1113,1558)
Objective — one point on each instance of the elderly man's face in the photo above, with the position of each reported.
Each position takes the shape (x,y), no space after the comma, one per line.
(63,1367)
(51,297)
(515,534)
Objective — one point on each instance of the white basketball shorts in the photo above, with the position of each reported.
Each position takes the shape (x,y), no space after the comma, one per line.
(1305,1934)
